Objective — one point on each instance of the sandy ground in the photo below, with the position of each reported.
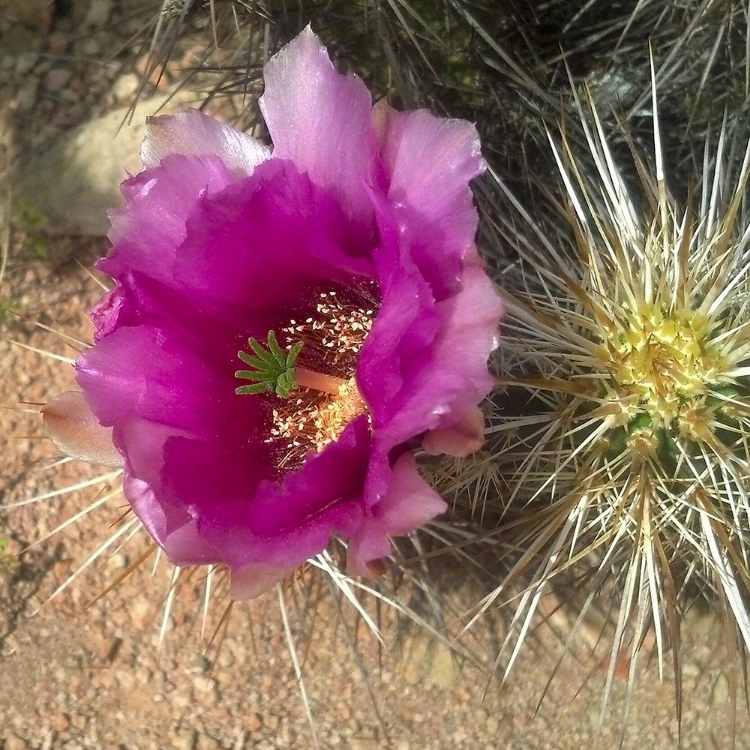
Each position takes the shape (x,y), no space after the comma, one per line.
(118,673)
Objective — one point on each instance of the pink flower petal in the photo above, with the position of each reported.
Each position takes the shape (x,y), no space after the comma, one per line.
(408,504)
(75,430)
(430,161)
(193,133)
(320,120)
(219,242)
(451,377)
(263,240)
(170,526)
(286,522)
(169,389)
(146,233)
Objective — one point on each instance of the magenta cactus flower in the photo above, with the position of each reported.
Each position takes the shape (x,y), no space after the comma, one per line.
(288,326)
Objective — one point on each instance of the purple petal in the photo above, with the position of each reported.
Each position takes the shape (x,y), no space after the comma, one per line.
(284,524)
(253,580)
(431,161)
(321,121)
(405,325)
(193,133)
(172,527)
(172,385)
(336,473)
(461,439)
(265,241)
(408,504)
(146,233)
(219,242)
(274,525)
(452,377)
(208,475)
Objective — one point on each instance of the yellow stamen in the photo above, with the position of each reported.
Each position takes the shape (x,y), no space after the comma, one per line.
(310,423)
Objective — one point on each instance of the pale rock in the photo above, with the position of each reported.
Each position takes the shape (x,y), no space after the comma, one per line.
(493,726)
(26,96)
(98,13)
(70,97)
(125,87)
(91,47)
(427,661)
(142,614)
(25,62)
(73,184)
(206,742)
(225,659)
(57,79)
(207,686)
(186,740)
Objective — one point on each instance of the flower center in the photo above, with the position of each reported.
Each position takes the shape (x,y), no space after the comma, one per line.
(334,332)
(310,422)
(316,394)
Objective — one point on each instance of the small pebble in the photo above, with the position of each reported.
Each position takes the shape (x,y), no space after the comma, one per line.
(206,742)
(91,47)
(98,13)
(26,96)
(25,62)
(61,723)
(125,87)
(57,79)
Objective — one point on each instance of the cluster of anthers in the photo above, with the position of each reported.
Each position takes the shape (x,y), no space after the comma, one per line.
(320,363)
(338,327)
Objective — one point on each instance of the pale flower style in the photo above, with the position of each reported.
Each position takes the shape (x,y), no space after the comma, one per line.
(352,239)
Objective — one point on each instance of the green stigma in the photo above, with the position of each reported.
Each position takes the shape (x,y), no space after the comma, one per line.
(273,368)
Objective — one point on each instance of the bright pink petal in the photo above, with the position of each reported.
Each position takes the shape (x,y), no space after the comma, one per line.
(175,384)
(338,472)
(284,523)
(408,504)
(146,233)
(171,526)
(424,364)
(218,242)
(265,240)
(431,161)
(405,326)
(453,377)
(320,120)
(193,133)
